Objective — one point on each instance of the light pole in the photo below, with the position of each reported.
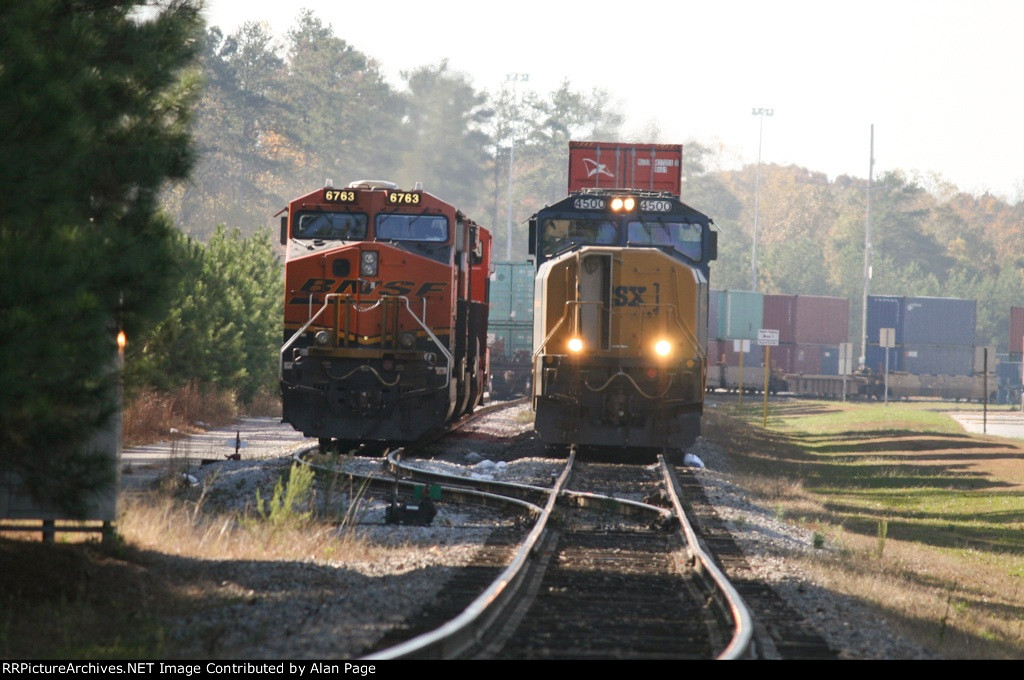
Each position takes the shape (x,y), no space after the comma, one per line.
(867,257)
(760,113)
(514,78)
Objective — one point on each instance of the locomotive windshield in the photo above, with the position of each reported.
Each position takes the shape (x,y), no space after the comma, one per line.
(561,234)
(330,225)
(685,237)
(404,227)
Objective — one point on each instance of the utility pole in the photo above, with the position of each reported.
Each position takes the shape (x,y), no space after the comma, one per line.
(761,113)
(867,257)
(514,78)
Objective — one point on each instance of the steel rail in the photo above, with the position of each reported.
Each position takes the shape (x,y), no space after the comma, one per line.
(468,630)
(739,646)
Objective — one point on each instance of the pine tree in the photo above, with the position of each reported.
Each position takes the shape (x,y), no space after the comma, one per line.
(93,122)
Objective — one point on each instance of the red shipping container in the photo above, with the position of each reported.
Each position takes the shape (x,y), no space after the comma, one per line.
(808,319)
(780,315)
(804,359)
(1016,330)
(821,320)
(613,165)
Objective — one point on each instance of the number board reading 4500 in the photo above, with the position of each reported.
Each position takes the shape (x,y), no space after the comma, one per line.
(404,197)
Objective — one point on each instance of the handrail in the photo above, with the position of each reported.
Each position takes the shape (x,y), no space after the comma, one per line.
(331,297)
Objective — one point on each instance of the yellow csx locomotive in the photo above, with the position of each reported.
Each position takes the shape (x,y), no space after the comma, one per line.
(620,319)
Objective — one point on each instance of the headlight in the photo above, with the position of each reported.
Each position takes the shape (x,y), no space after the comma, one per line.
(575,345)
(407,340)
(322,338)
(662,348)
(368,263)
(620,203)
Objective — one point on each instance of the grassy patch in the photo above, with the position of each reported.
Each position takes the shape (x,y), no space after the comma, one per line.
(928,521)
(88,600)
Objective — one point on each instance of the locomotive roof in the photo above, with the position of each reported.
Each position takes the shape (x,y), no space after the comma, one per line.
(567,205)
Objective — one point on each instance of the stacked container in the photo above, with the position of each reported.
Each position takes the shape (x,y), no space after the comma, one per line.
(510,319)
(1016,346)
(811,328)
(933,336)
(740,314)
(884,311)
(734,315)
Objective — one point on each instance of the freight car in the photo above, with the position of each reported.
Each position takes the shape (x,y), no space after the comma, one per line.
(510,329)
(621,298)
(385,314)
(931,353)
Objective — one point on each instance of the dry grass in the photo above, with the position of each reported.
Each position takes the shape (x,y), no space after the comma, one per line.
(86,600)
(178,527)
(149,414)
(926,523)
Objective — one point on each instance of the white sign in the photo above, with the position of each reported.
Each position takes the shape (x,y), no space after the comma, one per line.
(767,336)
(845,358)
(741,346)
(887,337)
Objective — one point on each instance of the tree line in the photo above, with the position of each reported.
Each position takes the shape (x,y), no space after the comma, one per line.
(275,120)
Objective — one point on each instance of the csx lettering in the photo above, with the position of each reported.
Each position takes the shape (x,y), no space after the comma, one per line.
(629,296)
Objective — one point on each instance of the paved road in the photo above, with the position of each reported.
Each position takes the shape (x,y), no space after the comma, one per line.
(252,438)
(1000,424)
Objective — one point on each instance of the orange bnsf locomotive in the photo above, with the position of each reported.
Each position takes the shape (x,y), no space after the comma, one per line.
(621,303)
(385,322)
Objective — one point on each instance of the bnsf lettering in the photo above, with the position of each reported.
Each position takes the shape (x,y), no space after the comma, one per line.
(317,288)
(314,286)
(352,286)
(396,288)
(629,296)
(428,288)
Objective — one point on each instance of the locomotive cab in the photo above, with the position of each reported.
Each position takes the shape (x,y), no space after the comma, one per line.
(385,314)
(620,319)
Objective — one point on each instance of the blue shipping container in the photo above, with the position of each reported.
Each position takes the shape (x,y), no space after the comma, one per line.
(938,359)
(938,321)
(875,359)
(884,311)
(830,361)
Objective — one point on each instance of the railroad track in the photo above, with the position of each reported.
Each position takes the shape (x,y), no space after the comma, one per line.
(548,594)
(544,591)
(615,582)
(779,631)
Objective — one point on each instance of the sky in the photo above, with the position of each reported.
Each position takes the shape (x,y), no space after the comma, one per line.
(937,81)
